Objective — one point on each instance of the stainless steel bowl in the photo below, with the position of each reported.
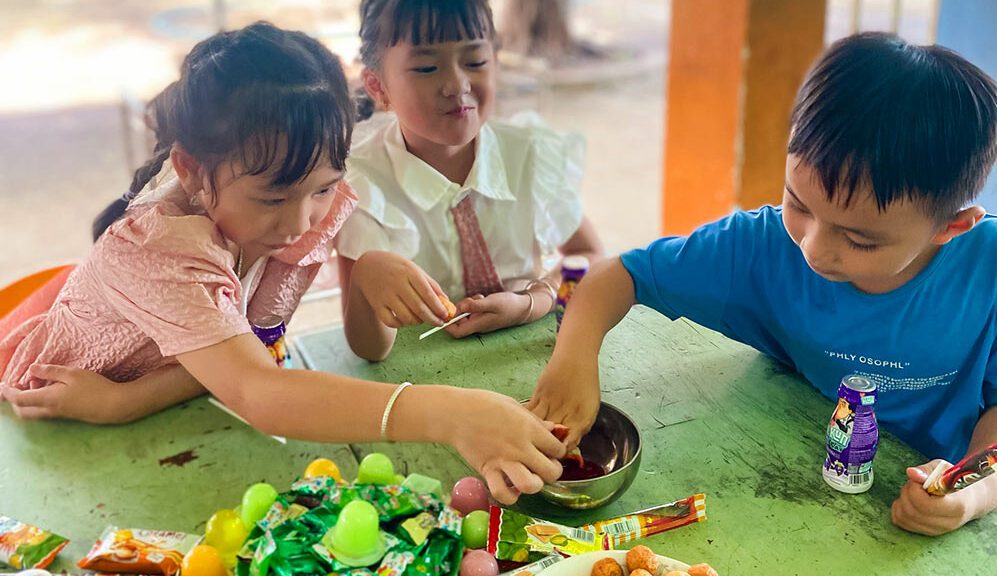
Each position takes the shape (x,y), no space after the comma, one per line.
(614,443)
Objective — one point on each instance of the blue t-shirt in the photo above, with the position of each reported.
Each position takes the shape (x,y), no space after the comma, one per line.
(929,345)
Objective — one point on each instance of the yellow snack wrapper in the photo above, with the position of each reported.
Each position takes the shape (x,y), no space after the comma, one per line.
(521,538)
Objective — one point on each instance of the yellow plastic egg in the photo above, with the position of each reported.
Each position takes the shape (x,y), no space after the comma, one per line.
(203,560)
(323,467)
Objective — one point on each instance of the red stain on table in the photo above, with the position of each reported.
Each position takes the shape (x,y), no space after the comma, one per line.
(178,459)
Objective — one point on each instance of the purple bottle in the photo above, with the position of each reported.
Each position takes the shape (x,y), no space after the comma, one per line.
(271,331)
(852,436)
(572,270)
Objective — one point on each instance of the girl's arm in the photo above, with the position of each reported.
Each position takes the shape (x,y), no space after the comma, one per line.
(382,292)
(76,394)
(496,435)
(367,336)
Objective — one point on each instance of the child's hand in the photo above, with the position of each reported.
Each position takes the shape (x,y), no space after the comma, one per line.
(490,313)
(568,393)
(61,392)
(510,447)
(398,291)
(917,511)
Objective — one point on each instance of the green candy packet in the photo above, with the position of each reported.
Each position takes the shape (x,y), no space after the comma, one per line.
(288,541)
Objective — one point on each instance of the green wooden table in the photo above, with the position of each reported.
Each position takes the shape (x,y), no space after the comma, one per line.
(716,417)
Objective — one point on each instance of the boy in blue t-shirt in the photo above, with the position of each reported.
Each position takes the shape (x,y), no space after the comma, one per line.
(877,263)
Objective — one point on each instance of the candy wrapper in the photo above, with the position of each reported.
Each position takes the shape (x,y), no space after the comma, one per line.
(651,521)
(24,546)
(421,533)
(968,471)
(535,568)
(138,551)
(521,538)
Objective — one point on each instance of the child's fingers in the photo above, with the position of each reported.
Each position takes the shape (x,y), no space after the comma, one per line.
(463,305)
(525,481)
(415,301)
(547,469)
(433,284)
(499,489)
(428,293)
(925,504)
(470,325)
(52,373)
(402,313)
(480,305)
(538,406)
(574,437)
(33,412)
(548,444)
(920,473)
(386,317)
(36,398)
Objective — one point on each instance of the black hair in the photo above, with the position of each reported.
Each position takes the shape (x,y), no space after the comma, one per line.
(384,23)
(917,123)
(275,99)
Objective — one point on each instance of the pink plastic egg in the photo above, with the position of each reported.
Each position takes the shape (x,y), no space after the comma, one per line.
(479,563)
(469,494)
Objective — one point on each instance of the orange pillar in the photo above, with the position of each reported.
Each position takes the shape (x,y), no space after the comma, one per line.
(734,69)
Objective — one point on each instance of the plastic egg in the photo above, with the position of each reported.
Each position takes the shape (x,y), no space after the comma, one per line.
(474,529)
(479,563)
(469,494)
(323,467)
(256,502)
(227,533)
(376,468)
(356,538)
(203,560)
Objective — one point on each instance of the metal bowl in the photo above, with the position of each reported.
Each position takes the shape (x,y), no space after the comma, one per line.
(614,443)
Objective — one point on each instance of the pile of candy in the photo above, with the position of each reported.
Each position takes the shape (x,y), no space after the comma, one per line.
(383,524)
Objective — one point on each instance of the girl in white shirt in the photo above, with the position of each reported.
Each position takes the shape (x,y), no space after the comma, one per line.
(437,172)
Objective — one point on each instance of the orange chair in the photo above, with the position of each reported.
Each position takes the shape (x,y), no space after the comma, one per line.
(30,296)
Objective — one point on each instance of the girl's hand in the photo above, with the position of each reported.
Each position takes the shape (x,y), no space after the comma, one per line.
(70,393)
(568,394)
(917,511)
(398,291)
(510,447)
(490,313)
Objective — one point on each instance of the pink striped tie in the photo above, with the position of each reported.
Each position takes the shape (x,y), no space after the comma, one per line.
(480,276)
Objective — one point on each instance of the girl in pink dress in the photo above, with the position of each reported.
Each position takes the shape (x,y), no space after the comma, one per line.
(227,224)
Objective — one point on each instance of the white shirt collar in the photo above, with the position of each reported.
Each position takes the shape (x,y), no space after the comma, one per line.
(426,186)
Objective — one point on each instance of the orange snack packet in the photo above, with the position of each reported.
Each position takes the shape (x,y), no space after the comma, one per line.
(138,551)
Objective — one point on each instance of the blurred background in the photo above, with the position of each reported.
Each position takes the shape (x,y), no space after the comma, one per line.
(684,104)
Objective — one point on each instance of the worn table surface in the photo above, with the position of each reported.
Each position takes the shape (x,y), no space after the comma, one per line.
(716,417)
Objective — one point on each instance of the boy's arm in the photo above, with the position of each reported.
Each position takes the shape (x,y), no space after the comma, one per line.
(76,394)
(568,389)
(917,511)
